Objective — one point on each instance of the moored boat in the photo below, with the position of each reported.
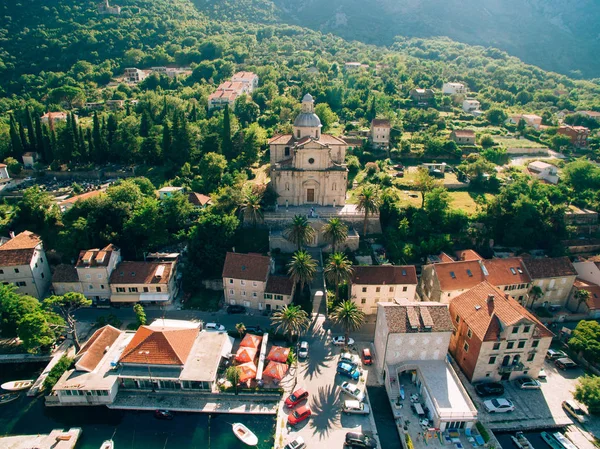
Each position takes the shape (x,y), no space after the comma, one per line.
(244,434)
(17,385)
(8,397)
(163,414)
(108,444)
(557,440)
(521,441)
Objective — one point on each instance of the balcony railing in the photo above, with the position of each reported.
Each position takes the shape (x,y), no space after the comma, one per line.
(510,368)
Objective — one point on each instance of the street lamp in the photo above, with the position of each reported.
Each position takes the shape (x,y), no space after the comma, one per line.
(146,354)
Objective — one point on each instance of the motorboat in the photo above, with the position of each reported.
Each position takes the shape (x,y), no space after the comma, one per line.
(244,434)
(108,444)
(8,397)
(557,440)
(521,441)
(163,414)
(17,385)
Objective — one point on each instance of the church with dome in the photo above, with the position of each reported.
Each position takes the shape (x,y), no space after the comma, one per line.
(308,167)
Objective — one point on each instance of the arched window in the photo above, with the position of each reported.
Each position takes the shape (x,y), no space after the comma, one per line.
(298,134)
(334,186)
(287,186)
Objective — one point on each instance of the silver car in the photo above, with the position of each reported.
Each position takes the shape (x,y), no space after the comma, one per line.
(303,350)
(355,407)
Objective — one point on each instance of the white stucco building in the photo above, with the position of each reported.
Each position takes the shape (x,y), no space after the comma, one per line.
(453,89)
(544,171)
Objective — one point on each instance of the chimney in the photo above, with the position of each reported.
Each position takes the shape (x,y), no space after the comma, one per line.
(490,299)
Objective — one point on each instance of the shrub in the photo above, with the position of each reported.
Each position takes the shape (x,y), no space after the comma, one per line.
(587,392)
(371,168)
(56,372)
(13,165)
(483,432)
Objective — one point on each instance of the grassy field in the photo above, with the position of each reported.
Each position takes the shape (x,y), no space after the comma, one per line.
(517,143)
(465,201)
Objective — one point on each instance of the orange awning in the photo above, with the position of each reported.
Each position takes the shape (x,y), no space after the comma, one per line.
(278,354)
(251,341)
(275,370)
(247,371)
(244,355)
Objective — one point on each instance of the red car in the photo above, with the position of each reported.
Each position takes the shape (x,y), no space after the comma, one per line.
(366,356)
(302,413)
(296,397)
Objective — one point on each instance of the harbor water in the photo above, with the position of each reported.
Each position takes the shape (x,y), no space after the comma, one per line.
(128,429)
(534,437)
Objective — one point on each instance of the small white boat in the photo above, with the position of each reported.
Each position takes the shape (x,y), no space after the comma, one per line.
(17,385)
(108,444)
(521,441)
(244,434)
(8,397)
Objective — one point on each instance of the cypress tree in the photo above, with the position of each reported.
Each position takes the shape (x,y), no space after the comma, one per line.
(49,144)
(181,139)
(39,138)
(76,151)
(83,154)
(67,141)
(30,130)
(97,154)
(111,130)
(24,143)
(227,146)
(166,141)
(91,154)
(15,139)
(165,110)
(194,113)
(145,123)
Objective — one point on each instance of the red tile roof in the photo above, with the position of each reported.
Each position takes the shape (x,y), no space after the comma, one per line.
(459,275)
(549,267)
(507,271)
(83,196)
(328,139)
(141,273)
(594,302)
(65,273)
(467,254)
(281,139)
(92,352)
(198,199)
(464,133)
(24,240)
(95,257)
(160,346)
(19,250)
(279,285)
(417,317)
(445,257)
(487,317)
(250,267)
(384,275)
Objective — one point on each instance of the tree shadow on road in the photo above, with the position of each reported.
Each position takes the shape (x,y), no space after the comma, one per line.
(325,410)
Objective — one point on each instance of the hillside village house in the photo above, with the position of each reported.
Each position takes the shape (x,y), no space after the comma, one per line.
(544,171)
(249,79)
(370,285)
(23,263)
(421,95)
(494,337)
(167,356)
(380,132)
(199,200)
(54,117)
(463,136)
(555,276)
(471,106)
(29,159)
(105,8)
(248,281)
(135,75)
(240,83)
(411,344)
(168,192)
(591,307)
(453,89)
(153,282)
(585,221)
(535,121)
(578,134)
(67,204)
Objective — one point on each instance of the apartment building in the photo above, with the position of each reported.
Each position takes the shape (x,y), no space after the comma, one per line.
(380,132)
(555,277)
(152,282)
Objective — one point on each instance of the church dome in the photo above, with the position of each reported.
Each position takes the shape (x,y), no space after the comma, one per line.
(307,97)
(307,120)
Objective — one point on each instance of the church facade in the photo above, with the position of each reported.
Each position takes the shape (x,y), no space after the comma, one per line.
(308,167)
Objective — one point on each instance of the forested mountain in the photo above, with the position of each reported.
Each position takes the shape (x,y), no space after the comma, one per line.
(556,35)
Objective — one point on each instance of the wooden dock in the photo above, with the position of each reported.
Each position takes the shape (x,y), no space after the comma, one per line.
(57,439)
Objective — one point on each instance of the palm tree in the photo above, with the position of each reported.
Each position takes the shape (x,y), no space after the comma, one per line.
(233,374)
(290,321)
(241,328)
(338,269)
(299,231)
(302,268)
(536,293)
(349,316)
(335,231)
(251,207)
(582,296)
(368,201)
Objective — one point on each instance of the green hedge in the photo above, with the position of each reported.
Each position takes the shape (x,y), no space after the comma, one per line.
(483,432)
(56,372)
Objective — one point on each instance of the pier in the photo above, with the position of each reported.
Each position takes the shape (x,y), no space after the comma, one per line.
(57,439)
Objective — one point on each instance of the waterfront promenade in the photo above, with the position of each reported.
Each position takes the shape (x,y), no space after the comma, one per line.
(57,439)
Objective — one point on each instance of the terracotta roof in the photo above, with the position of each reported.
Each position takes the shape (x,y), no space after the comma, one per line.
(95,257)
(594,302)
(380,122)
(506,271)
(251,267)
(486,318)
(384,274)
(24,240)
(248,76)
(141,273)
(279,285)
(445,257)
(459,275)
(281,139)
(417,317)
(198,199)
(467,254)
(3,165)
(328,139)
(65,273)
(160,346)
(464,133)
(83,196)
(93,350)
(549,267)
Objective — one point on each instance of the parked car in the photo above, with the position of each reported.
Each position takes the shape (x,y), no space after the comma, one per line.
(565,363)
(348,370)
(296,397)
(340,340)
(346,357)
(353,391)
(300,414)
(256,330)
(236,309)
(214,327)
(303,350)
(498,405)
(542,374)
(360,440)
(366,356)
(489,389)
(298,443)
(527,383)
(355,407)
(573,409)
(553,354)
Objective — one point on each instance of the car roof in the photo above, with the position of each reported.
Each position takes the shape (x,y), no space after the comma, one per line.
(302,409)
(366,351)
(299,391)
(303,344)
(565,360)
(346,366)
(572,404)
(352,403)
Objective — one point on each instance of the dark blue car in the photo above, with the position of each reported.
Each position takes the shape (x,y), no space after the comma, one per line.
(348,370)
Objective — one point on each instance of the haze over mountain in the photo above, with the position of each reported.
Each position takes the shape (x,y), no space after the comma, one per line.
(558,35)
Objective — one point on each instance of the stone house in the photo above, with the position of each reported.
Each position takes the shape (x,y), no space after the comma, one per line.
(463,136)
(578,134)
(591,307)
(421,95)
(471,105)
(380,132)
(494,337)
(555,276)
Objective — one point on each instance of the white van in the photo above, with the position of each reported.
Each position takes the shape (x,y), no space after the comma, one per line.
(357,407)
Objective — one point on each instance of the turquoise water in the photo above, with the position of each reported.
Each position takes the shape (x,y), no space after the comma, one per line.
(128,429)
